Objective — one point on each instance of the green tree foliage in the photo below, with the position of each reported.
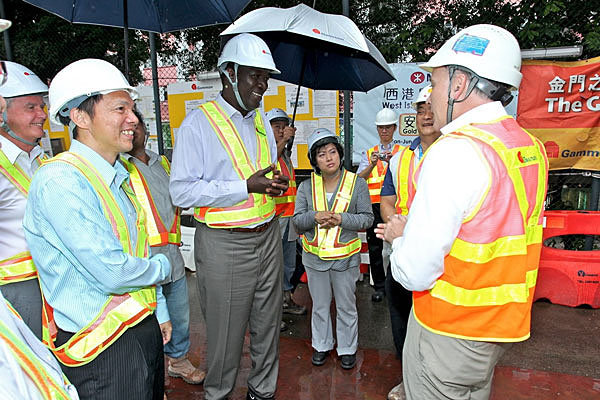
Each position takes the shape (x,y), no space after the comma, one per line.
(46,43)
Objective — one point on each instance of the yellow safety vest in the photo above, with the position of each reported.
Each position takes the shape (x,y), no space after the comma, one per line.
(28,361)
(326,244)
(377,176)
(19,267)
(120,312)
(285,204)
(258,208)
(158,235)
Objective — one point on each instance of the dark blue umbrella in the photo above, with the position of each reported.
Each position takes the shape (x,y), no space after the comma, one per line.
(148,15)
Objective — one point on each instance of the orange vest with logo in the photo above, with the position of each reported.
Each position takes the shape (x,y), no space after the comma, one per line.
(158,235)
(120,312)
(486,290)
(284,204)
(375,179)
(258,208)
(18,267)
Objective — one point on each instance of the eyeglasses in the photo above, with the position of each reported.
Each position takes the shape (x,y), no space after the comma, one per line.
(3,73)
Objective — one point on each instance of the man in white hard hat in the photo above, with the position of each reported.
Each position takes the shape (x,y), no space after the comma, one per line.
(284,207)
(372,168)
(87,236)
(20,156)
(397,194)
(470,248)
(224,166)
(19,348)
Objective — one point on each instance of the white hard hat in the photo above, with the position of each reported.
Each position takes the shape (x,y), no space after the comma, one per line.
(423,96)
(4,24)
(21,81)
(386,116)
(248,50)
(318,134)
(277,114)
(82,79)
(489,51)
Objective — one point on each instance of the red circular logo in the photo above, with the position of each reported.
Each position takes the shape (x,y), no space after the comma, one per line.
(194,86)
(315,30)
(264,52)
(520,157)
(25,73)
(417,77)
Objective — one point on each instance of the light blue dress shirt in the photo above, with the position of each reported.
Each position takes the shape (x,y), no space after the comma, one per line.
(80,260)
(201,172)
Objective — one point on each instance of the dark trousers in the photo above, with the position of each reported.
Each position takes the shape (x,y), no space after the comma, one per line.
(25,297)
(399,303)
(131,368)
(375,249)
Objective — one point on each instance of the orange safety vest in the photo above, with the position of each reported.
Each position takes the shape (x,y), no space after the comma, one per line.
(326,244)
(35,370)
(486,290)
(284,204)
(158,235)
(375,179)
(120,312)
(258,208)
(18,267)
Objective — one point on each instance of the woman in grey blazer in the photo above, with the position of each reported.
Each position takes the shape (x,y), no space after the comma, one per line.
(330,208)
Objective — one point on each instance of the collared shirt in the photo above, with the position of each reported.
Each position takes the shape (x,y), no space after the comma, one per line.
(80,260)
(201,173)
(12,201)
(158,183)
(14,382)
(452,180)
(364,161)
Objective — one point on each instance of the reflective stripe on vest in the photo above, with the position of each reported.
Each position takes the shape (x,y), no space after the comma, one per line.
(284,204)
(405,190)
(19,267)
(487,287)
(258,208)
(158,235)
(375,179)
(119,312)
(31,366)
(326,244)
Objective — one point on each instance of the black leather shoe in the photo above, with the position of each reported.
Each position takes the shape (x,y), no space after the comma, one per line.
(283,326)
(378,296)
(348,361)
(319,357)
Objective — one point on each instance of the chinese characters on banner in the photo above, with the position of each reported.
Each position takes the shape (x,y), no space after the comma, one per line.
(397,95)
(559,102)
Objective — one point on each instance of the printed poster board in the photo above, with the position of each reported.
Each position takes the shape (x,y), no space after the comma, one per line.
(559,102)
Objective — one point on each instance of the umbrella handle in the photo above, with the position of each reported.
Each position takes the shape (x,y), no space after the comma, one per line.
(290,142)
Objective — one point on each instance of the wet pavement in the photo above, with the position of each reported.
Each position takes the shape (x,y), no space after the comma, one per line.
(561,360)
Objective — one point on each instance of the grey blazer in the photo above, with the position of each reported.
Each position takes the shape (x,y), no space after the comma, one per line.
(358,217)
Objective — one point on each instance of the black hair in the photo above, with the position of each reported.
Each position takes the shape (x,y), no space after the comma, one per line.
(88,106)
(320,143)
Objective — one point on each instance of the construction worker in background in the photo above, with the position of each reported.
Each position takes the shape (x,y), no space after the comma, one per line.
(149,179)
(470,247)
(87,235)
(20,156)
(284,207)
(397,193)
(372,168)
(29,371)
(224,166)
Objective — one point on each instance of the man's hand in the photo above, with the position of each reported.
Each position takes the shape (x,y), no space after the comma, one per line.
(374,158)
(165,329)
(288,133)
(259,183)
(391,230)
(279,185)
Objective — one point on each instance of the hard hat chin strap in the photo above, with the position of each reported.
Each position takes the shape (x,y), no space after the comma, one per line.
(234,85)
(472,82)
(13,135)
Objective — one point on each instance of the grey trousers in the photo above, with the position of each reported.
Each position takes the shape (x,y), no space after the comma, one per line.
(239,279)
(342,285)
(25,297)
(443,367)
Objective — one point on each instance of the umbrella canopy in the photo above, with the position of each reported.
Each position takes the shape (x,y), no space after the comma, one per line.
(149,15)
(315,49)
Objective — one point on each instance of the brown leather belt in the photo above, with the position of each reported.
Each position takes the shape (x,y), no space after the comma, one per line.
(256,229)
